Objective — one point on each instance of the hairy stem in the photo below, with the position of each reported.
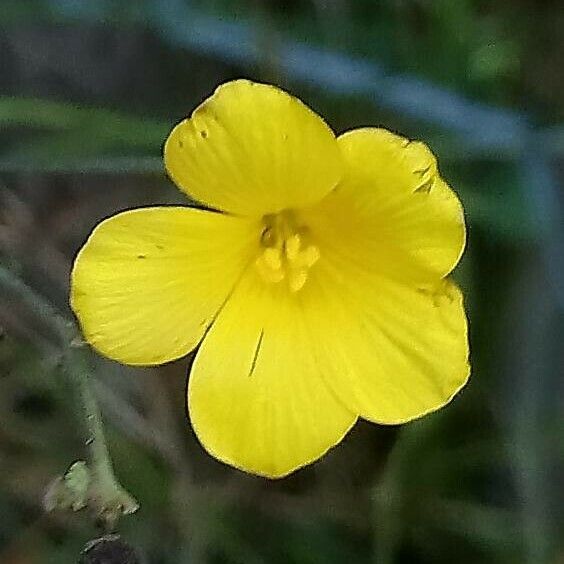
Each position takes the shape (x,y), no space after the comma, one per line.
(105,496)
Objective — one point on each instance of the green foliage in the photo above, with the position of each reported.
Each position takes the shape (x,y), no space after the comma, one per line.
(56,135)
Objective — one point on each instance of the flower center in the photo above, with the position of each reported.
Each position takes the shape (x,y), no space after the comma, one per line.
(286,251)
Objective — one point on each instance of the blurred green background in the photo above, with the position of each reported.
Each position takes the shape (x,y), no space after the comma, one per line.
(88,92)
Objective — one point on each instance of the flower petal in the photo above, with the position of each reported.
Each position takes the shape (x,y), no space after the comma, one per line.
(253,149)
(148,282)
(390,351)
(256,396)
(392,210)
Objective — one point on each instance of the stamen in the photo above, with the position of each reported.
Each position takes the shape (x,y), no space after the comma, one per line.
(267,273)
(308,257)
(272,258)
(297,279)
(292,246)
(285,252)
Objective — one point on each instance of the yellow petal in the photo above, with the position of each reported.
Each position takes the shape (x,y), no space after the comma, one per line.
(148,282)
(390,351)
(392,211)
(253,149)
(256,397)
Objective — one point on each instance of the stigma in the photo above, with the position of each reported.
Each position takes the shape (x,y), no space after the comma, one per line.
(286,251)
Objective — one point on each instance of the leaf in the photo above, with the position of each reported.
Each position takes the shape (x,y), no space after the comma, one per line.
(69,491)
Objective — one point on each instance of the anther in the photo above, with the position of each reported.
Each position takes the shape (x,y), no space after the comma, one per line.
(267,272)
(292,246)
(308,257)
(297,279)
(272,258)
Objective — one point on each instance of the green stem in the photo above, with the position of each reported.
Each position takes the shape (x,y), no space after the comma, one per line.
(101,465)
(105,495)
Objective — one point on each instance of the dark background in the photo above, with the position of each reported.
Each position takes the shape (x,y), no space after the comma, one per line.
(88,92)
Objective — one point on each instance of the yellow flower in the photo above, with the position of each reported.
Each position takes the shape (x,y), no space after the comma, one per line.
(317,290)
